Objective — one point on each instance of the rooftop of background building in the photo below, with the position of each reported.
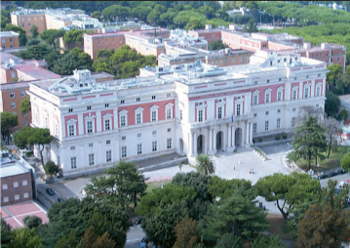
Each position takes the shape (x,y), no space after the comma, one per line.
(8,34)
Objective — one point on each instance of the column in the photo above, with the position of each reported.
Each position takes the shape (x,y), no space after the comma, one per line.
(214,143)
(194,144)
(312,93)
(233,138)
(210,146)
(229,143)
(190,143)
(251,133)
(247,134)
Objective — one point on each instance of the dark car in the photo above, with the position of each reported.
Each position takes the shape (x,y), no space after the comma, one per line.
(50,191)
(332,174)
(61,200)
(340,171)
(323,176)
(139,221)
(144,243)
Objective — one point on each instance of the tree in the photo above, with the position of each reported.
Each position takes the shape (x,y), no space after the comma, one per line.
(51,168)
(96,15)
(38,51)
(33,136)
(204,164)
(25,237)
(268,241)
(345,162)
(68,240)
(250,27)
(104,241)
(154,16)
(186,233)
(34,31)
(8,121)
(332,103)
(309,140)
(73,37)
(194,24)
(207,11)
(6,234)
(22,33)
(51,36)
(323,227)
(217,45)
(332,128)
(289,189)
(343,115)
(25,107)
(229,240)
(334,74)
(32,221)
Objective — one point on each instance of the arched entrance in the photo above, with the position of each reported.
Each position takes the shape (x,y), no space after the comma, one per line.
(238,137)
(219,141)
(181,147)
(200,144)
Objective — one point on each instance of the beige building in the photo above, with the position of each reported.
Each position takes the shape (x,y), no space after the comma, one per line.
(9,39)
(27,18)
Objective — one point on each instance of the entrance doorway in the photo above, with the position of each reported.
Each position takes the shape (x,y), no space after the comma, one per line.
(219,141)
(200,142)
(238,137)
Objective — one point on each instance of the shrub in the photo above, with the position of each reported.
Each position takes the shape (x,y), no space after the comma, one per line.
(284,136)
(260,139)
(29,154)
(277,137)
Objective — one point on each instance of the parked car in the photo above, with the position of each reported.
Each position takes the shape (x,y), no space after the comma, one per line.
(61,199)
(144,243)
(332,174)
(322,176)
(340,171)
(50,191)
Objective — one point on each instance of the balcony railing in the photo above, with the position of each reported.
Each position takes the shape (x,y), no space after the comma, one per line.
(221,121)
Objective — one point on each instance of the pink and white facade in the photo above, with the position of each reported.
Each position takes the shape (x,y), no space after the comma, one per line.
(189,109)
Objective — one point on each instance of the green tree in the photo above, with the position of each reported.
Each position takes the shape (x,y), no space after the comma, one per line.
(32,221)
(33,136)
(204,164)
(186,233)
(309,140)
(323,227)
(154,16)
(268,241)
(73,37)
(6,234)
(22,33)
(217,45)
(250,27)
(104,241)
(288,190)
(34,31)
(25,237)
(207,11)
(96,15)
(38,51)
(74,59)
(25,107)
(343,115)
(51,36)
(332,103)
(5,18)
(332,128)
(51,168)
(345,162)
(229,240)
(334,74)
(8,121)
(194,24)
(68,240)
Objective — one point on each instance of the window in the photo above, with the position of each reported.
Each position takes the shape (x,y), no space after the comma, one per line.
(238,109)
(138,99)
(16,197)
(200,115)
(247,58)
(25,195)
(278,110)
(13,105)
(266,125)
(12,94)
(294,94)
(255,125)
(122,121)
(24,183)
(71,130)
(267,97)
(70,110)
(279,96)
(123,151)
(168,95)
(23,94)
(122,101)
(267,112)
(255,100)
(6,199)
(255,114)
(268,81)
(106,105)
(139,135)
(154,115)
(153,97)
(180,114)
(168,143)
(154,132)
(15,184)
(306,92)
(168,113)
(293,121)
(108,142)
(220,112)
(139,149)
(294,109)
(3,40)
(240,59)
(108,156)
(278,123)
(88,107)
(72,147)
(154,146)
(89,126)
(107,125)
(25,123)
(123,137)
(318,91)
(233,59)
(73,163)
(4,186)
(91,159)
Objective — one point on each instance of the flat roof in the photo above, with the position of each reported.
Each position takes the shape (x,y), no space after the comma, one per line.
(101,75)
(37,72)
(12,169)
(8,34)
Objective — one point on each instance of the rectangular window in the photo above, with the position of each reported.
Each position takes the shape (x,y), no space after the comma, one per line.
(15,184)
(168,113)
(25,123)
(106,105)
(180,114)
(70,110)
(88,107)
(108,142)
(123,137)
(13,105)
(16,197)
(122,121)
(108,156)
(154,132)
(294,94)
(72,148)
(200,115)
(238,109)
(138,99)
(278,123)
(122,101)
(306,92)
(153,97)
(107,125)
(23,94)
(89,126)
(124,152)
(138,118)
(169,130)
(267,112)
(4,186)
(219,112)
(91,144)
(255,100)
(91,159)
(6,199)
(25,195)
(73,163)
(278,110)
(266,125)
(12,94)
(24,183)
(139,135)
(255,127)
(267,97)
(168,143)
(3,40)
(139,149)
(154,146)
(318,91)
(279,96)
(154,115)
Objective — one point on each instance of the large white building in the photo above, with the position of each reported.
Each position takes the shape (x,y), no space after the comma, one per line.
(189,109)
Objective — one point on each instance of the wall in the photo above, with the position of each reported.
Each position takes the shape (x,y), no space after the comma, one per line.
(10,192)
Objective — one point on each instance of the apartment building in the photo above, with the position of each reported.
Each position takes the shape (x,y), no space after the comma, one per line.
(27,18)
(9,40)
(190,109)
(210,34)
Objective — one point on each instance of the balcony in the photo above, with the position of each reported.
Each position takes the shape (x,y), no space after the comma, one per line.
(221,121)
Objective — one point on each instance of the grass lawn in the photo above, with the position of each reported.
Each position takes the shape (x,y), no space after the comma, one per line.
(279,227)
(154,185)
(332,162)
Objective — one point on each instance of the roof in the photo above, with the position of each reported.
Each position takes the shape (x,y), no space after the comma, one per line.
(36,72)
(12,169)
(118,33)
(8,34)
(99,75)
(14,85)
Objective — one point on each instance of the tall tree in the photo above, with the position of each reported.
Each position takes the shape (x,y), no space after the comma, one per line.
(194,24)
(268,241)
(34,31)
(250,27)
(332,104)
(309,140)
(332,128)
(22,33)
(186,233)
(6,234)
(25,237)
(24,107)
(204,164)
(345,162)
(51,168)
(8,121)
(51,36)
(32,221)
(334,74)
(74,37)
(229,240)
